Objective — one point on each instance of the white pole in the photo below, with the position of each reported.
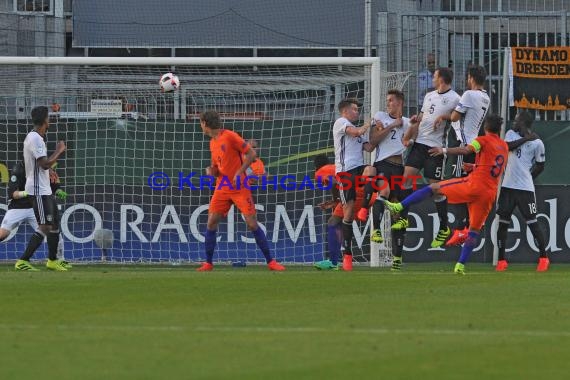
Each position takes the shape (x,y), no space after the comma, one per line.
(188,61)
(504,110)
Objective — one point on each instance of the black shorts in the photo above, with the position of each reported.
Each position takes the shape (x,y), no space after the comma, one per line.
(349,182)
(419,158)
(454,164)
(394,174)
(45,209)
(511,198)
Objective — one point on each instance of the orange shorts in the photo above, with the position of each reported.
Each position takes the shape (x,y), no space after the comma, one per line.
(357,204)
(222,201)
(479,199)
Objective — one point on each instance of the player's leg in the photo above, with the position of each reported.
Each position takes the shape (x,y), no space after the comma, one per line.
(505,208)
(219,206)
(347,190)
(244,202)
(370,173)
(52,218)
(526,203)
(398,237)
(478,210)
(37,237)
(334,237)
(13,219)
(383,187)
(433,171)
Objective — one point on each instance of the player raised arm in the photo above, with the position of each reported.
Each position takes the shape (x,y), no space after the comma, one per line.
(46,163)
(437,151)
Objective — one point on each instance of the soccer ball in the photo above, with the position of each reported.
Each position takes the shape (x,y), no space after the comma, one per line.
(169,82)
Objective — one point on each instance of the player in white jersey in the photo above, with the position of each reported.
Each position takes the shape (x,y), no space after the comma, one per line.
(387,138)
(467,120)
(349,141)
(425,133)
(526,162)
(38,186)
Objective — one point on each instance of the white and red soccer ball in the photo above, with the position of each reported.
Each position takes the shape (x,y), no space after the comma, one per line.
(169,82)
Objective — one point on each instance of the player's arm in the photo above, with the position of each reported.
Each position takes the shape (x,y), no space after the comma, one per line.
(357,132)
(536,169)
(518,142)
(412,132)
(380,132)
(460,150)
(45,162)
(14,191)
(539,157)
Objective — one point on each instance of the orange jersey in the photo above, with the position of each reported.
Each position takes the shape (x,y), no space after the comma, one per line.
(490,161)
(227,150)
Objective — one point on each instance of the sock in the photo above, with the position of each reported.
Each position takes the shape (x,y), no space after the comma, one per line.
(334,243)
(538,238)
(262,243)
(417,196)
(502,238)
(347,237)
(468,246)
(35,241)
(462,214)
(210,242)
(52,242)
(368,190)
(378,212)
(441,206)
(398,243)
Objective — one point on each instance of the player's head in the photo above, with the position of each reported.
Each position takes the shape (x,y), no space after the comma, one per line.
(348,108)
(493,124)
(430,60)
(442,77)
(40,117)
(523,121)
(210,122)
(394,102)
(320,161)
(476,76)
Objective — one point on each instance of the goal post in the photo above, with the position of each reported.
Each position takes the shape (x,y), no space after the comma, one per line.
(121,131)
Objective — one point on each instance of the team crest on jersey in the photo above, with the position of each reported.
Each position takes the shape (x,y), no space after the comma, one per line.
(13,178)
(359,139)
(223,147)
(444,100)
(49,218)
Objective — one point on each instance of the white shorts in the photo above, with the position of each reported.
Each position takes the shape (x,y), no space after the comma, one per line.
(14,217)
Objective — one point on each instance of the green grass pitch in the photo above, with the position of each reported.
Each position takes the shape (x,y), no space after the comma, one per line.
(140,322)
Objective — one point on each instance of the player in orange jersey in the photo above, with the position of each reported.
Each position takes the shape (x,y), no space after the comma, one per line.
(231,156)
(478,190)
(324,172)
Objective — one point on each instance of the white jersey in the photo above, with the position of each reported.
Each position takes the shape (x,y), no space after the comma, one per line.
(392,144)
(435,104)
(347,149)
(473,107)
(517,173)
(37,178)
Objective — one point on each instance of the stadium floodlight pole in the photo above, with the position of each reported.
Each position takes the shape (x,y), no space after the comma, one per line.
(504,110)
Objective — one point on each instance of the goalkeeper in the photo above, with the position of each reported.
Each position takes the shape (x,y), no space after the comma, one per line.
(20,208)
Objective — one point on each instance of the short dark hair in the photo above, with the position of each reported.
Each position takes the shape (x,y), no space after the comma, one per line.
(493,123)
(39,115)
(321,160)
(212,119)
(446,74)
(525,118)
(397,93)
(478,73)
(346,103)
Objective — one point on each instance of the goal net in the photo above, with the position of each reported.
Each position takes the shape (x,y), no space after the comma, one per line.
(135,155)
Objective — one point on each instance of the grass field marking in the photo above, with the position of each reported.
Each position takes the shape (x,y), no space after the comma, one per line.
(298,330)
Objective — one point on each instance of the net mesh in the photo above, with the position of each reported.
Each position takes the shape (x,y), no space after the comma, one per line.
(120,129)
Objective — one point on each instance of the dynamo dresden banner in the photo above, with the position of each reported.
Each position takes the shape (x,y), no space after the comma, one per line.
(541,78)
